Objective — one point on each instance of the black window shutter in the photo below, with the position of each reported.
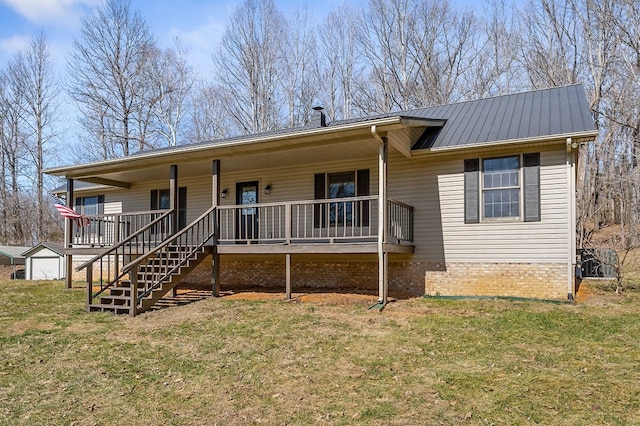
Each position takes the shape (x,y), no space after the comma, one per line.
(77,205)
(100,204)
(531,185)
(319,193)
(472,191)
(154,199)
(362,191)
(100,211)
(182,207)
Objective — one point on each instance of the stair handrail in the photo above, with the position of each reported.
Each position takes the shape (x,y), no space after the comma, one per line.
(167,241)
(125,241)
(194,247)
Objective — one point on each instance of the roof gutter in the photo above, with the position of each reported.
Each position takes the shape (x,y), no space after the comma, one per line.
(577,138)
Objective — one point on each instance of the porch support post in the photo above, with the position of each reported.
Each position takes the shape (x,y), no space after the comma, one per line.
(383,256)
(173,201)
(288,275)
(173,196)
(68,240)
(215,202)
(571,197)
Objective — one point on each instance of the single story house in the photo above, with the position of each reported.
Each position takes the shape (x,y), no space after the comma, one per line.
(472,198)
(45,261)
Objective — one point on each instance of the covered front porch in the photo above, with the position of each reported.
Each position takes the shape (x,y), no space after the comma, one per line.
(351,212)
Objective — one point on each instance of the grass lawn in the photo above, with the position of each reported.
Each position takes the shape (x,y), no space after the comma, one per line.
(221,361)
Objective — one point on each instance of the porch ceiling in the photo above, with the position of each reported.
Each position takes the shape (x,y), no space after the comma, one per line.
(314,147)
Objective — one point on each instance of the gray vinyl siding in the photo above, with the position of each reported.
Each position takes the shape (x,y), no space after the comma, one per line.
(441,234)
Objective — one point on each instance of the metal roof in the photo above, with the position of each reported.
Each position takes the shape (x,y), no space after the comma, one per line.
(549,112)
(13,254)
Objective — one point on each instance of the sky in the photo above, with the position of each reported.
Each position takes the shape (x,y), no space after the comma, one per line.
(199,24)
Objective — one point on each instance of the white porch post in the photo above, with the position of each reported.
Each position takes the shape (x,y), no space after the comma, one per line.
(173,196)
(173,202)
(571,198)
(383,256)
(68,240)
(287,259)
(215,200)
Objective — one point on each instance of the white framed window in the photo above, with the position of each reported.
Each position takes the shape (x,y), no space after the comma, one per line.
(501,187)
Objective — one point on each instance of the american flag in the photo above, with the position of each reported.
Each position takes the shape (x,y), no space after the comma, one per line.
(65,211)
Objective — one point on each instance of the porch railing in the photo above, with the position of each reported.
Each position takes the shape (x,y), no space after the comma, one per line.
(108,229)
(399,221)
(108,265)
(341,219)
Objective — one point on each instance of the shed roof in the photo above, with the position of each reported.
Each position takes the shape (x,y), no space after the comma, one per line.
(12,255)
(54,247)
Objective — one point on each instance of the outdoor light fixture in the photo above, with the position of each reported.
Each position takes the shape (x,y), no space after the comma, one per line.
(224,192)
(267,189)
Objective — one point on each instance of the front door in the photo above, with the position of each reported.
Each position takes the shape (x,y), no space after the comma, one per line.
(247,223)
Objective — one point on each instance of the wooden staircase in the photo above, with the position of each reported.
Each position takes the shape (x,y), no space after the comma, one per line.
(150,288)
(139,284)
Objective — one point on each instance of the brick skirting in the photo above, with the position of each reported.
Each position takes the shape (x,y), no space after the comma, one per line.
(542,281)
(404,277)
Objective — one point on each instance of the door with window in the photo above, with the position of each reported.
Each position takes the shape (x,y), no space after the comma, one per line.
(247,220)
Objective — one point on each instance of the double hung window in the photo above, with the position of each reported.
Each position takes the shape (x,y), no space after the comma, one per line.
(502,188)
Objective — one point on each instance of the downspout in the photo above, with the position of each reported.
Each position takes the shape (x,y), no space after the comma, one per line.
(383,260)
(572,147)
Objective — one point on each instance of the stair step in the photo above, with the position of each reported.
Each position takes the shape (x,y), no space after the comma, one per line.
(116,309)
(115,300)
(122,292)
(119,298)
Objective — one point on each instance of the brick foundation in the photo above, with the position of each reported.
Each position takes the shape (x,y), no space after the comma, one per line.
(404,277)
(543,281)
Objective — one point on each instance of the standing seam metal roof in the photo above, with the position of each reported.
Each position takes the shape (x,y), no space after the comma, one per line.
(549,112)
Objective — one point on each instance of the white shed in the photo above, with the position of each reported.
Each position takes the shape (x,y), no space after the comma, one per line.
(45,261)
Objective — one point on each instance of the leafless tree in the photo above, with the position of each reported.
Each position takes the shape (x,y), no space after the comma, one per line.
(299,80)
(248,66)
(13,154)
(494,70)
(385,36)
(338,64)
(172,78)
(550,44)
(108,69)
(209,120)
(32,72)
